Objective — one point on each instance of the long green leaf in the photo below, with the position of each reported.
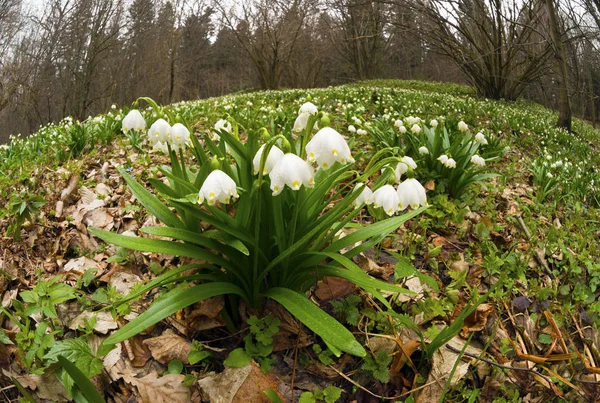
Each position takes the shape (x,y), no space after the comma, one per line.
(83,383)
(148,200)
(160,246)
(170,303)
(317,320)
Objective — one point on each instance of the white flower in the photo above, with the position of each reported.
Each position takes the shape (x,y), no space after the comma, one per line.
(293,171)
(365,196)
(356,120)
(133,121)
(443,159)
(409,161)
(477,160)
(411,120)
(398,123)
(450,163)
(180,136)
(402,167)
(433,123)
(416,129)
(480,138)
(386,197)
(222,124)
(217,186)
(352,129)
(361,132)
(411,193)
(159,131)
(328,146)
(423,150)
(549,175)
(159,146)
(462,126)
(308,108)
(275,154)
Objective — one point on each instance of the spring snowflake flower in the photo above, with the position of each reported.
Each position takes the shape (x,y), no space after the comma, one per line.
(160,147)
(480,138)
(405,163)
(328,146)
(446,161)
(275,154)
(293,171)
(416,129)
(477,160)
(218,186)
(222,124)
(308,108)
(549,175)
(398,123)
(423,150)
(365,197)
(411,193)
(352,129)
(411,120)
(433,123)
(402,129)
(462,126)
(304,113)
(159,131)
(180,136)
(386,197)
(361,132)
(133,121)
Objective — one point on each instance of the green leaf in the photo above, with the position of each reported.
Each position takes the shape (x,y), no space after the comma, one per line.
(175,367)
(170,303)
(83,383)
(77,352)
(272,396)
(152,204)
(405,268)
(332,394)
(329,329)
(545,338)
(4,339)
(307,397)
(195,356)
(237,358)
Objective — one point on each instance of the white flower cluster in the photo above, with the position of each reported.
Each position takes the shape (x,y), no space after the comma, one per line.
(304,113)
(409,193)
(447,161)
(161,134)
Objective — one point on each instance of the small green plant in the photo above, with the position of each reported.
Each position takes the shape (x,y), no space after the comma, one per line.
(347,308)
(378,366)
(545,181)
(198,354)
(330,394)
(258,344)
(22,208)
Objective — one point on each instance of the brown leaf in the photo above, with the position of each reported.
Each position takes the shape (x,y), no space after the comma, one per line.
(291,333)
(168,347)
(384,271)
(166,389)
(222,388)
(333,288)
(252,390)
(477,320)
(71,186)
(46,386)
(99,218)
(139,353)
(104,321)
(429,185)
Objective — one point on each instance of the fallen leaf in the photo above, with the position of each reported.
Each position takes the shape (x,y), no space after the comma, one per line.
(99,218)
(222,388)
(80,265)
(252,390)
(477,320)
(168,347)
(124,281)
(166,389)
(104,321)
(46,386)
(333,288)
(71,186)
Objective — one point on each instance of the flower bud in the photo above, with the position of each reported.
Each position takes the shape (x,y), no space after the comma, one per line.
(264,135)
(215,164)
(286,147)
(324,121)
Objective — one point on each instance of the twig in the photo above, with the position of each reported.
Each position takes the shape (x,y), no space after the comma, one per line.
(294,368)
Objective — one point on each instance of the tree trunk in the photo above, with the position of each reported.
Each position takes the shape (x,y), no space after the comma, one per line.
(564,104)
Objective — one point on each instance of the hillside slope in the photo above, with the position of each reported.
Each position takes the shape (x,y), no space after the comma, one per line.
(508,265)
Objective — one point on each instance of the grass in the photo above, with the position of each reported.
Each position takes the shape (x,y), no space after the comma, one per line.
(530,233)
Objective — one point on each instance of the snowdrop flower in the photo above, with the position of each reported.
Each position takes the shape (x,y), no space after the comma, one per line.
(217,186)
(433,123)
(275,154)
(222,124)
(462,126)
(160,147)
(308,108)
(293,171)
(416,129)
(477,160)
(352,129)
(423,150)
(180,136)
(133,121)
(411,193)
(159,131)
(480,138)
(398,123)
(328,146)
(365,196)
(386,197)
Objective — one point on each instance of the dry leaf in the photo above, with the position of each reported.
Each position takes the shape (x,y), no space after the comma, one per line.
(99,218)
(80,265)
(46,386)
(252,390)
(222,388)
(104,321)
(477,320)
(166,389)
(168,347)
(124,282)
(333,288)
(71,186)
